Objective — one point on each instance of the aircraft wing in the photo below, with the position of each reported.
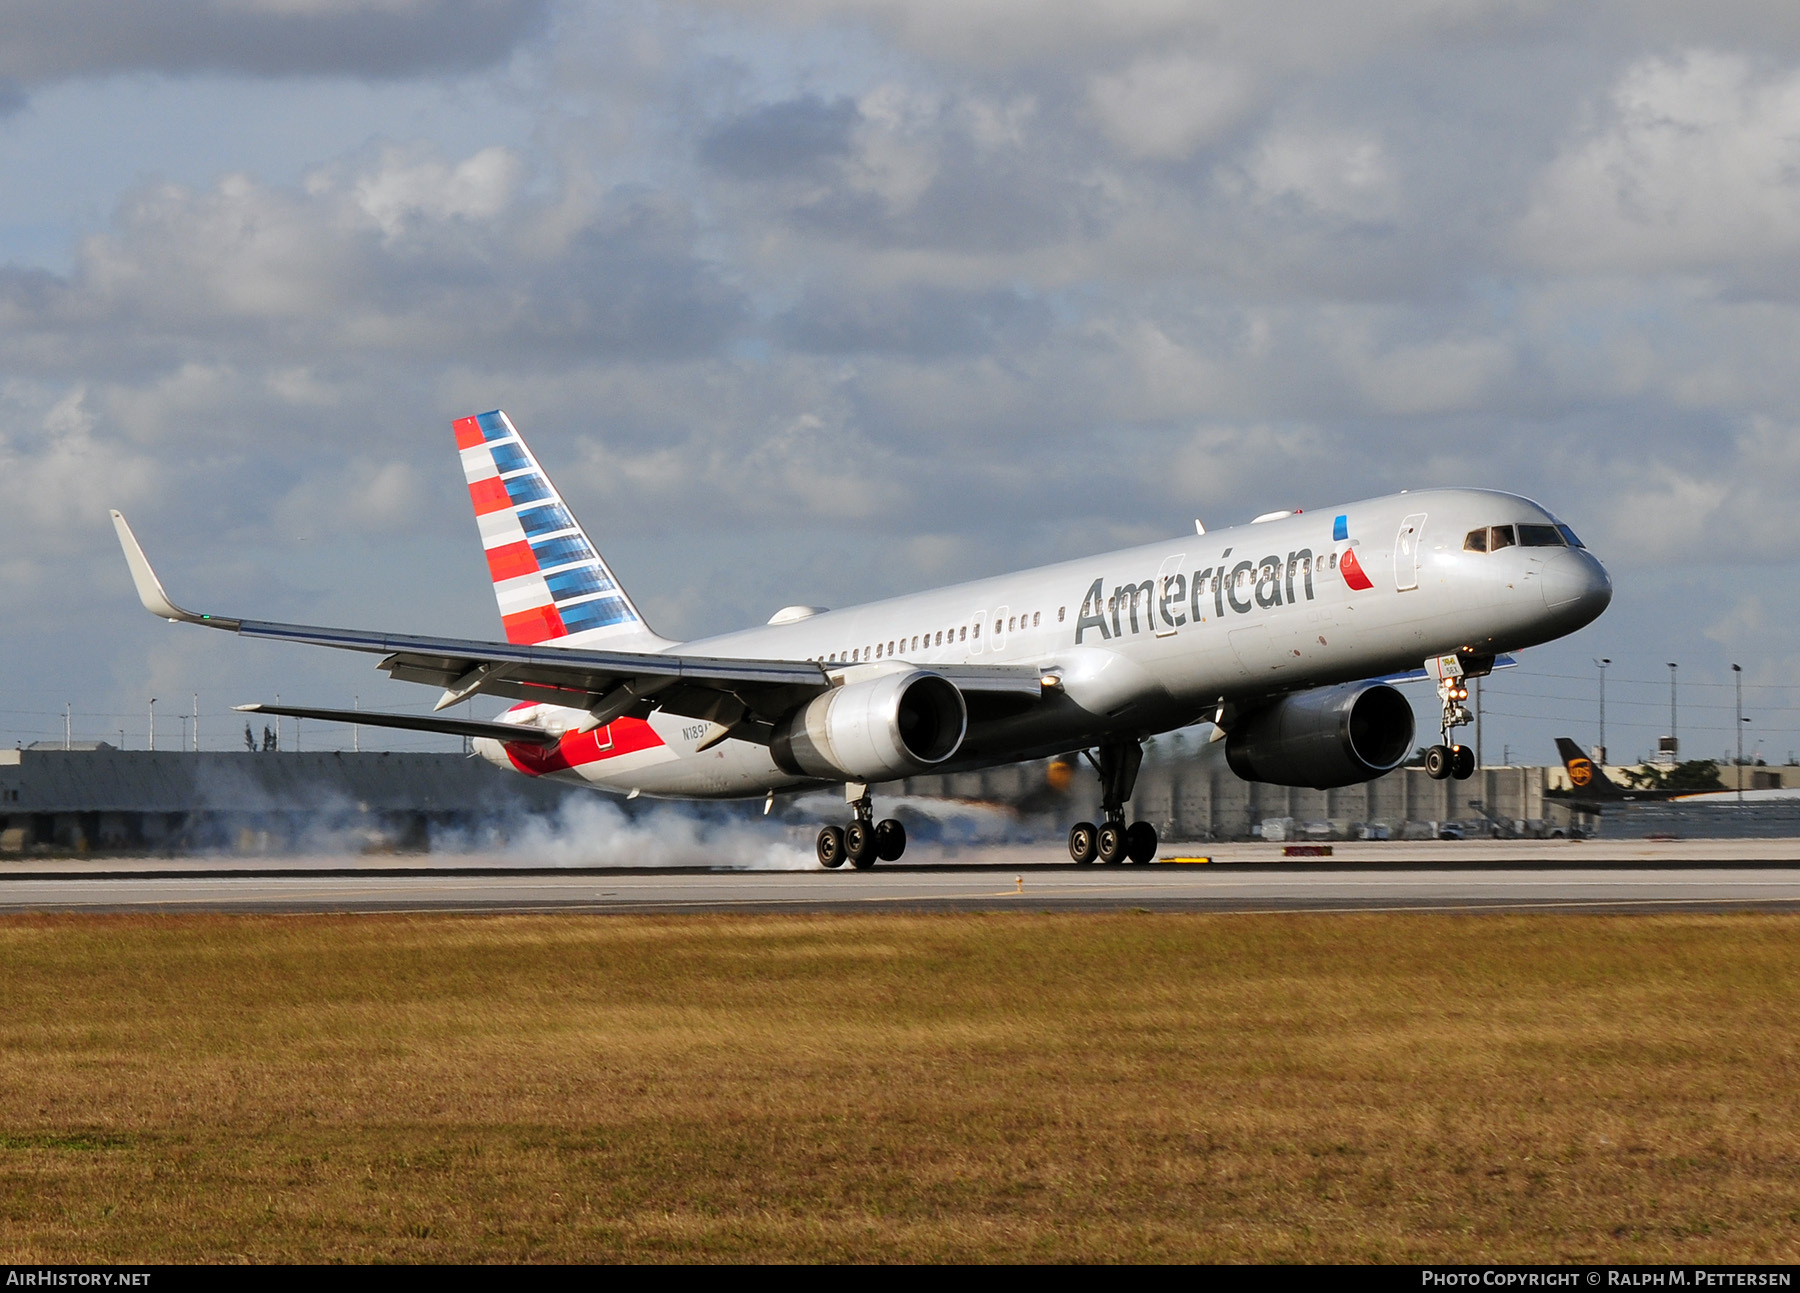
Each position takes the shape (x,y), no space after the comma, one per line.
(745,695)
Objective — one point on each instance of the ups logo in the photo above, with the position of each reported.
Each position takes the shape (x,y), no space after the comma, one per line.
(1581,771)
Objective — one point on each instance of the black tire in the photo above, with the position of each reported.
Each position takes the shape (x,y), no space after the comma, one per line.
(830,847)
(859,845)
(1462,762)
(1437,762)
(890,840)
(1110,843)
(1140,842)
(1082,845)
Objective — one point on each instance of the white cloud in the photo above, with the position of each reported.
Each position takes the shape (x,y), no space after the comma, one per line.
(1694,164)
(404,190)
(1335,172)
(1435,377)
(1166,106)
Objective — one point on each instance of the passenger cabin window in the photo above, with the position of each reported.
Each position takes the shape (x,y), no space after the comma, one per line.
(1060,612)
(1501,536)
(1476,541)
(1037,618)
(1540,536)
(1334,561)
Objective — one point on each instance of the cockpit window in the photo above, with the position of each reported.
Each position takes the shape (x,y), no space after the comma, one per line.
(1501,536)
(1569,534)
(1540,536)
(1476,541)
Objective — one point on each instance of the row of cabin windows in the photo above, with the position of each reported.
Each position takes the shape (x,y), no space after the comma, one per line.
(1014,623)
(1492,538)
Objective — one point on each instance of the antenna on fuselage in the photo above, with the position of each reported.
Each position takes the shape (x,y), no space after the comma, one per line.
(1198,528)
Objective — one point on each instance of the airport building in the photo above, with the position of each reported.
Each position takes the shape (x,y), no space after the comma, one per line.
(1200,798)
(101,799)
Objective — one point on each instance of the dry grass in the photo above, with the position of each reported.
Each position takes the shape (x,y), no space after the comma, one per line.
(1021,1087)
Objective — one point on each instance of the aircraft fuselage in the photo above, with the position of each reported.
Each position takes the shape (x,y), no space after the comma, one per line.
(1141,640)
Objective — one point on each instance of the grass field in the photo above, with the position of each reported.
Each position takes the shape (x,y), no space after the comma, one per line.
(917,1088)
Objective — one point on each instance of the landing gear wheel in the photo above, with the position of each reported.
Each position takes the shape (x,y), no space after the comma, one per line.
(1437,762)
(1140,841)
(831,847)
(1111,844)
(859,845)
(890,840)
(1082,845)
(1462,762)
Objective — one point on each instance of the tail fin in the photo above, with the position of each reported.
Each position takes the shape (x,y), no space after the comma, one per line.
(551,583)
(1583,774)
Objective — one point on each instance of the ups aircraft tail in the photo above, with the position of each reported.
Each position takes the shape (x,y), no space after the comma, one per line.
(1584,775)
(553,586)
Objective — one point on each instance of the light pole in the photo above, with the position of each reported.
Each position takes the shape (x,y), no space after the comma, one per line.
(1674,738)
(1602,662)
(1737,677)
(153,723)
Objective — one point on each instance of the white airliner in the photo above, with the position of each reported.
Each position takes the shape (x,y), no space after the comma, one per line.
(1285,634)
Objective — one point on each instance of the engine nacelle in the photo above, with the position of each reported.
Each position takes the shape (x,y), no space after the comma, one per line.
(1335,736)
(892,726)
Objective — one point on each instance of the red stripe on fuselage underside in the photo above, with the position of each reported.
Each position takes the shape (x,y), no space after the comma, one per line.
(539,624)
(621,736)
(468,432)
(490,495)
(1353,571)
(510,560)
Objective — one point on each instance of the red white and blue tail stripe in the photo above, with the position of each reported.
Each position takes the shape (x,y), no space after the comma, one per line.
(551,583)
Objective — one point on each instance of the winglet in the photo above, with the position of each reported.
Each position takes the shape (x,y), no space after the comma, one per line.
(149,587)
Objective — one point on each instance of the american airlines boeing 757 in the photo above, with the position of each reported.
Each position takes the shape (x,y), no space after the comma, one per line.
(1285,634)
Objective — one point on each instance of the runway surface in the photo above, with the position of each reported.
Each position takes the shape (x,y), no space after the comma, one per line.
(1229,888)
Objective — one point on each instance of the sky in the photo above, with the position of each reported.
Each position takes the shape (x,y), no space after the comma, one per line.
(818,301)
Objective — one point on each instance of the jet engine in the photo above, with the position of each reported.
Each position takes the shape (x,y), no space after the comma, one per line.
(1334,736)
(886,727)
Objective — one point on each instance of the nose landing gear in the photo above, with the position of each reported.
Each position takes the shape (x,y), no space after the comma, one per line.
(1114,841)
(1448,759)
(864,841)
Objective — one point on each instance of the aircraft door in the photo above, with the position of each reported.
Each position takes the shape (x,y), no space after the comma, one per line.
(1406,552)
(976,645)
(998,632)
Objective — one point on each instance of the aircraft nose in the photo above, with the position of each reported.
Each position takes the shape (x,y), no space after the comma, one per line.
(1576,586)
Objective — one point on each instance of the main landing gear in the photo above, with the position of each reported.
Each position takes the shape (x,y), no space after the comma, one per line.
(864,840)
(1447,759)
(1114,841)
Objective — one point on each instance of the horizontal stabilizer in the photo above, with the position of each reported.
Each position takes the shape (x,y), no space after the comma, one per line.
(413,723)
